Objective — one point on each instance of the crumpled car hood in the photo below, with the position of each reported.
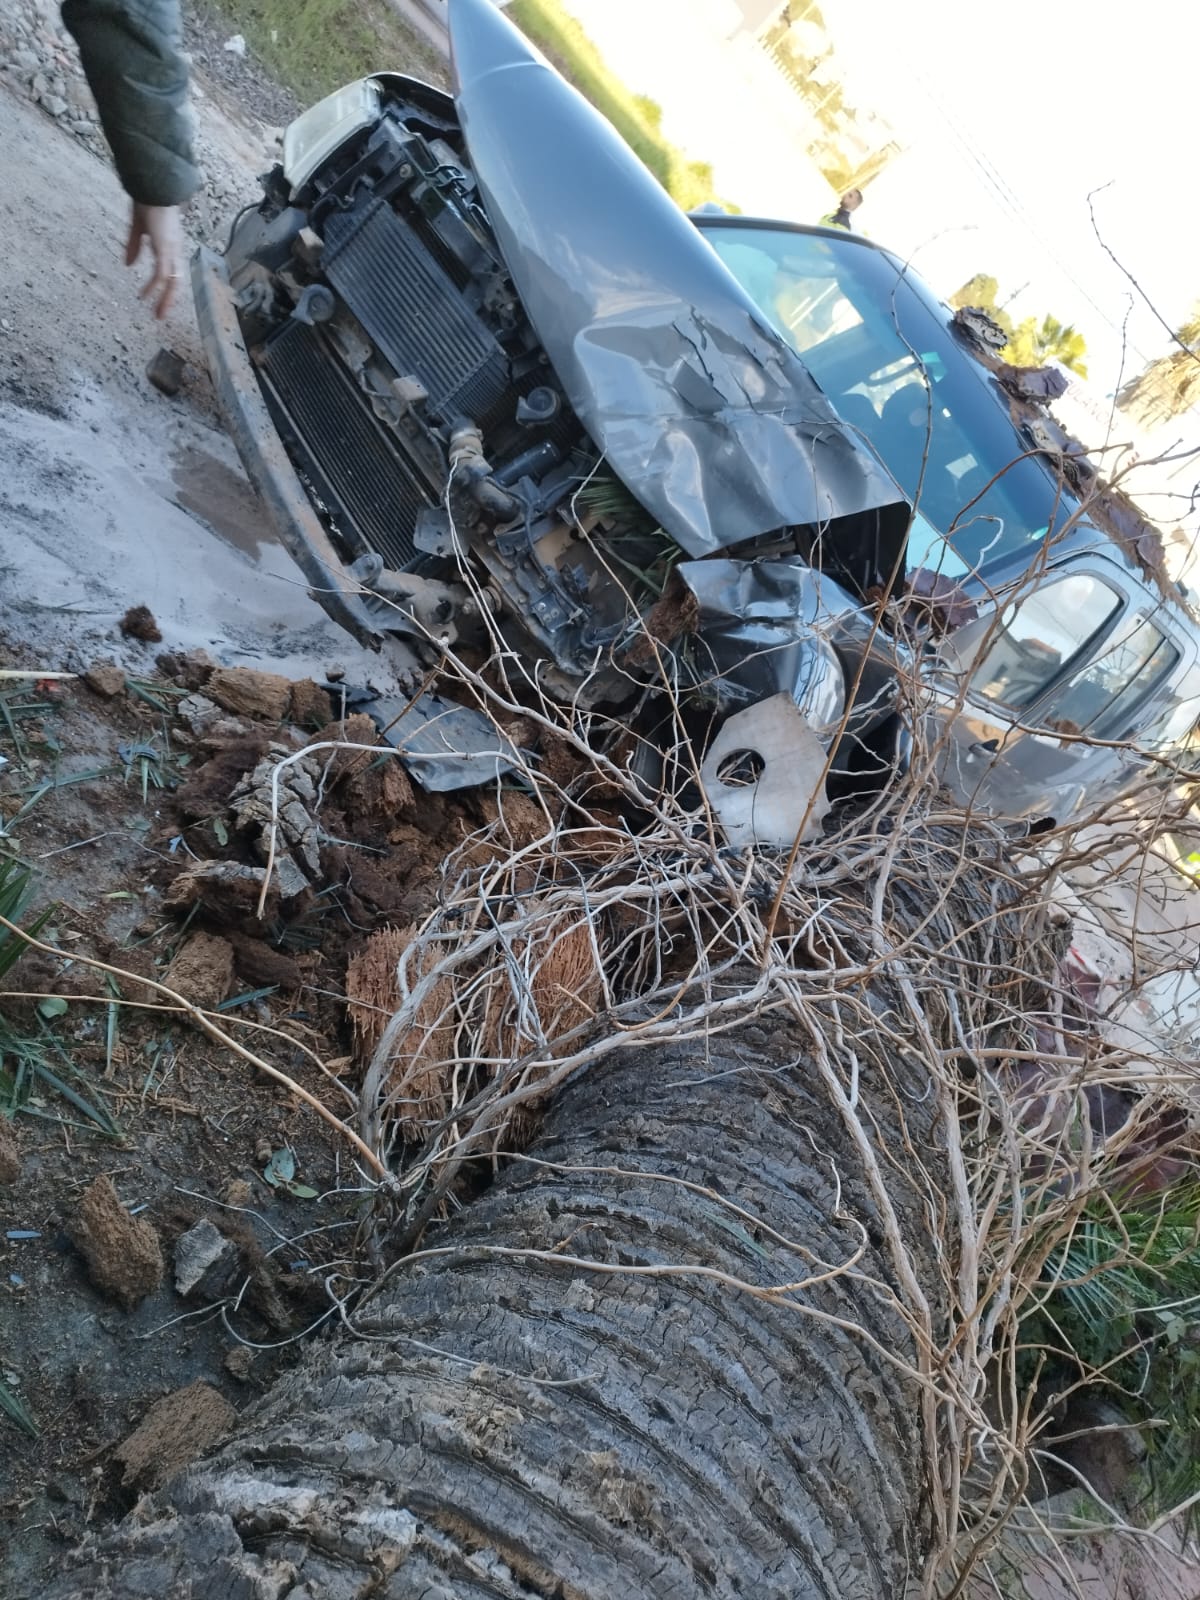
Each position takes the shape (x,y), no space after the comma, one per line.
(706,414)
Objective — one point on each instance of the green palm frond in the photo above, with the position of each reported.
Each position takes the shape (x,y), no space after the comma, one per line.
(604,496)
(16,888)
(1121,1294)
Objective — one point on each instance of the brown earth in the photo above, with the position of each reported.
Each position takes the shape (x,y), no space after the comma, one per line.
(131,1125)
(202,970)
(121,1252)
(144,1112)
(174,1431)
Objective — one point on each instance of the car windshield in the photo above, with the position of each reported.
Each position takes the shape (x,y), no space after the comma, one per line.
(885,355)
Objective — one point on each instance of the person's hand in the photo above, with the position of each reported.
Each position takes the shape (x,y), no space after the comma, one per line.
(161,227)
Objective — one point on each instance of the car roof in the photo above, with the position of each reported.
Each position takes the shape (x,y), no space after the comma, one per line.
(731,219)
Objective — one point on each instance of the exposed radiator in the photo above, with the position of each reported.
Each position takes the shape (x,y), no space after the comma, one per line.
(413,311)
(355,467)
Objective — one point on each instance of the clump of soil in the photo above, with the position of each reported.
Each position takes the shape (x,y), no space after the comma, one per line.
(175,1430)
(355,730)
(400,886)
(206,791)
(258,965)
(311,706)
(122,1253)
(379,791)
(105,678)
(10,1155)
(191,669)
(227,892)
(202,970)
(676,612)
(264,696)
(138,623)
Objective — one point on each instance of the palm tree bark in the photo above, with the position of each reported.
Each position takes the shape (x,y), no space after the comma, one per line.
(503,1425)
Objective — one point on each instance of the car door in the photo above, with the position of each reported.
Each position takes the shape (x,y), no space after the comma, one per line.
(1026,687)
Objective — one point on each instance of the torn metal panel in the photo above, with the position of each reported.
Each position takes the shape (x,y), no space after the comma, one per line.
(764,776)
(700,407)
(979,328)
(764,628)
(444,746)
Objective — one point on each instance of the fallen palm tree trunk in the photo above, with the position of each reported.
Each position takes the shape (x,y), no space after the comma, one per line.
(688,1344)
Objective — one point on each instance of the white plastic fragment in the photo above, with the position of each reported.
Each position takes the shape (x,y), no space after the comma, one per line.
(762,774)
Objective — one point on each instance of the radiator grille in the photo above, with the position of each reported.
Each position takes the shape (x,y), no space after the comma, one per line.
(355,467)
(412,310)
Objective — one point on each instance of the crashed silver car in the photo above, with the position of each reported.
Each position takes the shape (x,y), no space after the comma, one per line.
(475,358)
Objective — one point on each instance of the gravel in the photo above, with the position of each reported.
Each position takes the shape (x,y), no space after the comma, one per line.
(39,60)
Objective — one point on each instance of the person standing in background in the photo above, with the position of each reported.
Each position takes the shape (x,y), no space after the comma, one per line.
(840,218)
(133,57)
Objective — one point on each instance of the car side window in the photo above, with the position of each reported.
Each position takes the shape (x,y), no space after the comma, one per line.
(1037,637)
(1105,697)
(1175,721)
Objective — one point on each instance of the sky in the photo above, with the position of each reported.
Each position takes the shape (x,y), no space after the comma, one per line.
(1031,107)
(1009,115)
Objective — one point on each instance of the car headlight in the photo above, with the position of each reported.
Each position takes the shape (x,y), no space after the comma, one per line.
(820,686)
(321,130)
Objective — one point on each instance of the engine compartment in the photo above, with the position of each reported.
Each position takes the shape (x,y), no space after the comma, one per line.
(420,410)
(436,441)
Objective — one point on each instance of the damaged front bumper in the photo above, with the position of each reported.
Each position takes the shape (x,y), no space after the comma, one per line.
(264,458)
(772,641)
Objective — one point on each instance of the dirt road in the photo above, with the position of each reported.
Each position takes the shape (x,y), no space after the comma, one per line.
(113,495)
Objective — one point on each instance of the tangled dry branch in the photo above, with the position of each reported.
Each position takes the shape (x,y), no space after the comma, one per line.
(601,911)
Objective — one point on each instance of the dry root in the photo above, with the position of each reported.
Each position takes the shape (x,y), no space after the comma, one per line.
(557,994)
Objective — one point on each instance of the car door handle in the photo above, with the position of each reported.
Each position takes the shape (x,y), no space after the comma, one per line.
(984,747)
